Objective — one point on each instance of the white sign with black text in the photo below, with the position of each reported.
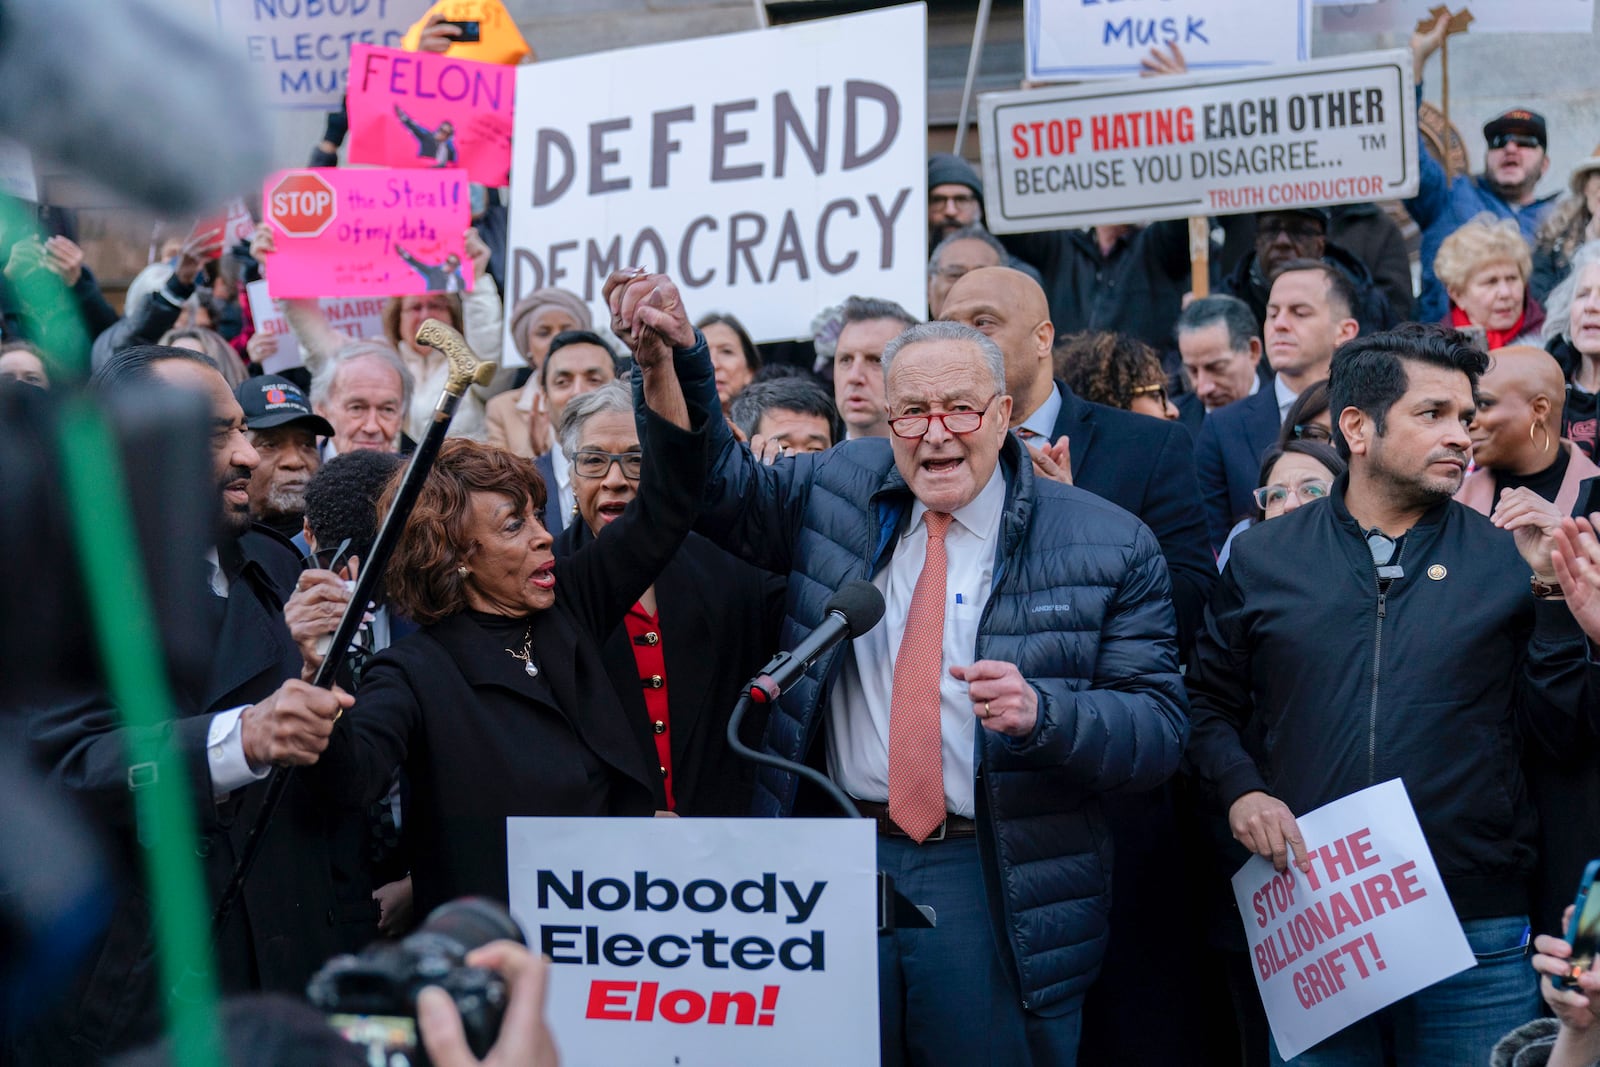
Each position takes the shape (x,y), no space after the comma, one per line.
(703,941)
(1331,131)
(770,173)
(1077,40)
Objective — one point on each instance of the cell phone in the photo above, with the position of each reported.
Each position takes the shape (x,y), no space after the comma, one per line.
(1583,933)
(470,31)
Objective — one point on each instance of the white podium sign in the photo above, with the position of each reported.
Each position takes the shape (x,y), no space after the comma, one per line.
(703,941)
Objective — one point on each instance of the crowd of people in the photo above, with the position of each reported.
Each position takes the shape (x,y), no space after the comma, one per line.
(1161,573)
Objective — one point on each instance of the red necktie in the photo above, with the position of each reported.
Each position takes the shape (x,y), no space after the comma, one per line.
(916,759)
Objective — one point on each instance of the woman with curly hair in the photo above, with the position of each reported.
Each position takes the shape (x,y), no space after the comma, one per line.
(1118,371)
(1576,219)
(501,704)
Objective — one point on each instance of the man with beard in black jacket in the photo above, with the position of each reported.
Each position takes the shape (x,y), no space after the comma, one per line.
(249,712)
(1391,632)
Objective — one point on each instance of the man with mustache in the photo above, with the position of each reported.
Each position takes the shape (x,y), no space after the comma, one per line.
(1516,158)
(1386,632)
(248,712)
(283,430)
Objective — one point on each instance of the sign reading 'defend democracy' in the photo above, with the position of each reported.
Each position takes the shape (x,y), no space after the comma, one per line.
(771,173)
(1332,131)
(1370,923)
(376,232)
(301,48)
(1070,40)
(703,941)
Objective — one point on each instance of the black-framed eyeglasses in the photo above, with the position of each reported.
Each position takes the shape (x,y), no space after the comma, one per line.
(592,463)
(1521,140)
(1274,496)
(954,200)
(1311,431)
(915,427)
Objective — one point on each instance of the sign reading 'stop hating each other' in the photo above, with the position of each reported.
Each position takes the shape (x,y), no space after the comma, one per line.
(769,173)
(1331,131)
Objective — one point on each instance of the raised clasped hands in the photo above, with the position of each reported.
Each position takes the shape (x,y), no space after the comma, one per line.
(648,315)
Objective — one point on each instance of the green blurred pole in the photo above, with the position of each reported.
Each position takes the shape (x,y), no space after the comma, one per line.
(126,633)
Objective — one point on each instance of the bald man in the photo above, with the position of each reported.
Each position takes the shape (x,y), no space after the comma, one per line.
(1516,434)
(1141,464)
(1145,466)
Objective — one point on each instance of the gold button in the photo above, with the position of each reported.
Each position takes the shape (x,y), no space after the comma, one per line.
(652,638)
(661,727)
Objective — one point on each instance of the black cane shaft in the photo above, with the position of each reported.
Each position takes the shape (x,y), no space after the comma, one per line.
(372,569)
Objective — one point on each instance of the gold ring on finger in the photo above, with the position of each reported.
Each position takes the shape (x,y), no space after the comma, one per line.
(988,712)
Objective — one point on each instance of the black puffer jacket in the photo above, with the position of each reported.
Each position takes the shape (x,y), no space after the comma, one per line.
(1439,682)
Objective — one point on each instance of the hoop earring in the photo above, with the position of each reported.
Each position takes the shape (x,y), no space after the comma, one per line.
(1544,447)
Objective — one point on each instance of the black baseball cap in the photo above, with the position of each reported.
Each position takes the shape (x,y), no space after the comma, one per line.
(1517,120)
(1321,214)
(272,400)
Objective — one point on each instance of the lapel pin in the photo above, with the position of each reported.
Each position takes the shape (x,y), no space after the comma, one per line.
(1437,572)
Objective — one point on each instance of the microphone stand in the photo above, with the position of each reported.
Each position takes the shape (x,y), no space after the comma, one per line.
(894,909)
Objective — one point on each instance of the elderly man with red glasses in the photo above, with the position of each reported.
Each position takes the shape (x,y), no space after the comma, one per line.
(1513,165)
(1026,664)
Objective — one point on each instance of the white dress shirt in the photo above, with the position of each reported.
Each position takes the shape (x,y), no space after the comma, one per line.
(858,710)
(225,737)
(1286,398)
(563,471)
(1043,420)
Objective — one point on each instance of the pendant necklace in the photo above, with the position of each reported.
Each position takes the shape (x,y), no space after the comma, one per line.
(526,654)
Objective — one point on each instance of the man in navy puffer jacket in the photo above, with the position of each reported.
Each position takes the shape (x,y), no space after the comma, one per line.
(1054,679)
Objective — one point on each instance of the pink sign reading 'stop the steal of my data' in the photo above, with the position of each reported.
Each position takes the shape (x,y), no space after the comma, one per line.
(367,232)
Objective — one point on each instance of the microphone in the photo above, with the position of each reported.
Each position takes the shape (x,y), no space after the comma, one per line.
(851,612)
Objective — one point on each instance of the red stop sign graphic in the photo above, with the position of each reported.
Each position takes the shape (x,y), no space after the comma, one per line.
(303,204)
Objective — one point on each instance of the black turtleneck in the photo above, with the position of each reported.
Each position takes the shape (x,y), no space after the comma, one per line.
(1547,483)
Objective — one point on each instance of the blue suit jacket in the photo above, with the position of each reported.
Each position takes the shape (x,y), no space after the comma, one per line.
(1228,456)
(1145,466)
(553,519)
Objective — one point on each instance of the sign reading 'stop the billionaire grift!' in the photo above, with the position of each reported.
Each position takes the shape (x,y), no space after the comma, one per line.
(703,941)
(1333,131)
(771,173)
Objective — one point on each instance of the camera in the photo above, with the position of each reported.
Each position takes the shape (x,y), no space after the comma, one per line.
(371,998)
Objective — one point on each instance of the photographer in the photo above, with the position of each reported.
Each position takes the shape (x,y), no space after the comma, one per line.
(269,1031)
(524,1036)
